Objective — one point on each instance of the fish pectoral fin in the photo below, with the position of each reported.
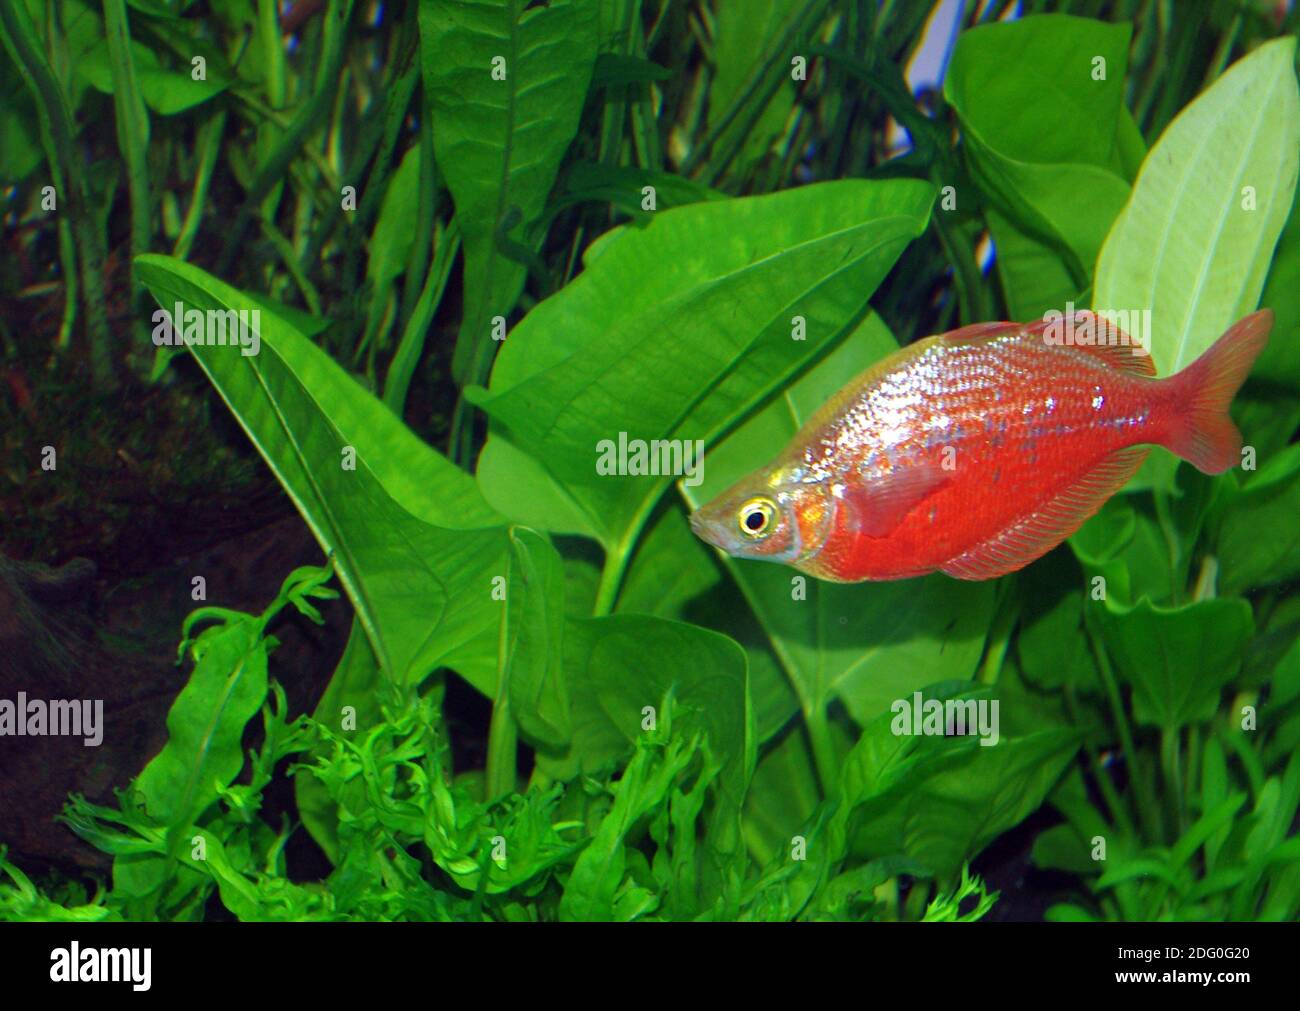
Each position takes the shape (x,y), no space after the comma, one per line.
(880,504)
(1046,527)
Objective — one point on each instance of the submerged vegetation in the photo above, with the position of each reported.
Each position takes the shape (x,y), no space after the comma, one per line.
(488,245)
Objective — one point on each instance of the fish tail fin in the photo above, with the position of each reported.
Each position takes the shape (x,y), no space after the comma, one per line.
(1202,433)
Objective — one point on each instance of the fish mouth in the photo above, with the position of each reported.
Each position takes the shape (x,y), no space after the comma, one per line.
(706,529)
(700,526)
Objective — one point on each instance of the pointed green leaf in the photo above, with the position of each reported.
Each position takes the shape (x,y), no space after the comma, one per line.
(506,80)
(1195,241)
(415,545)
(703,299)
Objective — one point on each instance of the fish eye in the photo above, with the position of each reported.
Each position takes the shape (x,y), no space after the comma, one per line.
(757,517)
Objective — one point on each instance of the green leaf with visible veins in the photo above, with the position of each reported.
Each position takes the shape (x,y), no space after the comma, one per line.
(618,665)
(506,81)
(677,330)
(415,545)
(1191,245)
(1045,133)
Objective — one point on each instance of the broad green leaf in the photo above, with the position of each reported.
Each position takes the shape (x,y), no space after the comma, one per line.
(506,81)
(1280,361)
(205,729)
(782,797)
(1041,107)
(617,666)
(624,186)
(415,545)
(20,140)
(518,485)
(1195,241)
(165,91)
(1126,546)
(390,243)
(934,799)
(943,814)
(671,567)
(205,725)
(1053,644)
(1033,274)
(773,697)
(702,300)
(1177,659)
(532,640)
(867,643)
(1259,539)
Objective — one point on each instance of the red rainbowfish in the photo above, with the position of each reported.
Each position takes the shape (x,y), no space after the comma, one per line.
(977,451)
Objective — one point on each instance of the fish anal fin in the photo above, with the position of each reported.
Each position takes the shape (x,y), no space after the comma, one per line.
(1035,535)
(880,504)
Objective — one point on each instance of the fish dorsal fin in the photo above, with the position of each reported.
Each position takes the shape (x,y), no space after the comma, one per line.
(1109,344)
(1036,534)
(879,504)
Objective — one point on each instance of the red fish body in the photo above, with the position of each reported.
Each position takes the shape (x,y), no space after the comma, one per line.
(975,452)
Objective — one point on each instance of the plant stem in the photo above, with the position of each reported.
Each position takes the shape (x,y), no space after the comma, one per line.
(132,130)
(1146,804)
(68,264)
(22,42)
(503,736)
(209,142)
(1208,578)
(503,742)
(616,561)
(823,747)
(287,147)
(417,262)
(1006,612)
(402,367)
(611,578)
(1172,769)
